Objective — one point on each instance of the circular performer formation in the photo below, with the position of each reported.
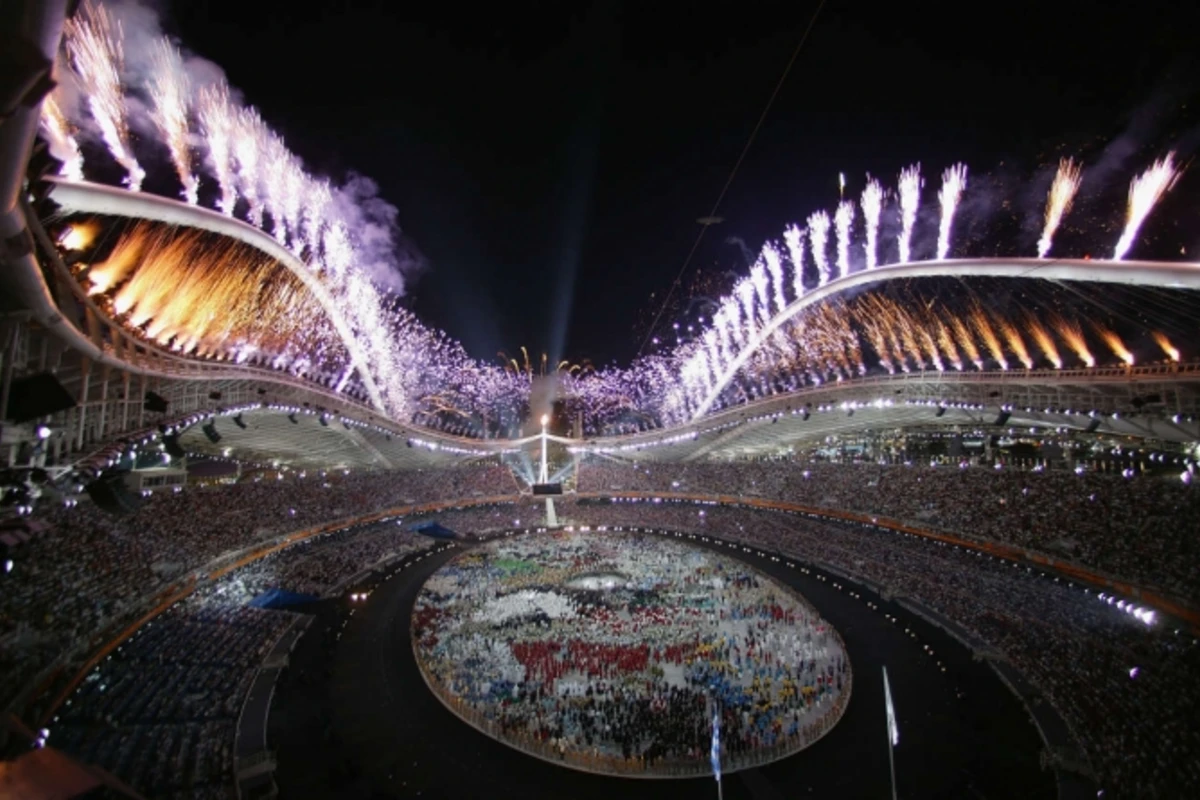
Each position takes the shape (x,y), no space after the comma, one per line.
(616,653)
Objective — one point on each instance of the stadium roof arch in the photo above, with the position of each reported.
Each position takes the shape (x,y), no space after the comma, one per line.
(54,327)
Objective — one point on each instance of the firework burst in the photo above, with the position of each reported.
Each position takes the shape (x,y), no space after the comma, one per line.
(248,146)
(62,141)
(983,327)
(1058,202)
(910,201)
(954,181)
(945,340)
(872,208)
(94,43)
(843,219)
(1170,350)
(818,237)
(1072,333)
(1144,193)
(218,121)
(1110,338)
(962,335)
(774,261)
(169,92)
(1016,343)
(793,237)
(1044,341)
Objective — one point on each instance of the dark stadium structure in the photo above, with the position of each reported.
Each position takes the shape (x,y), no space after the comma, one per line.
(215,528)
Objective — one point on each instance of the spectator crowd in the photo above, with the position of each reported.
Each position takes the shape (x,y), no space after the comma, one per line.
(92,572)
(1127,690)
(157,714)
(1141,529)
(161,711)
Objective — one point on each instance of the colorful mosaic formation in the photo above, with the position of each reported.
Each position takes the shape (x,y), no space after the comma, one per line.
(613,652)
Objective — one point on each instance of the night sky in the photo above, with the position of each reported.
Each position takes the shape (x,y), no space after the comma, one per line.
(550,162)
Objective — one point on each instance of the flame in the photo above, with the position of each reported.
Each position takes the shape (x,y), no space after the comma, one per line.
(192,293)
(1045,342)
(1171,351)
(1015,343)
(79,236)
(1114,343)
(963,334)
(979,320)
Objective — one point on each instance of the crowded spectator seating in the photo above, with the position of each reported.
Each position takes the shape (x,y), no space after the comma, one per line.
(1136,727)
(160,713)
(1141,529)
(1125,688)
(94,572)
(320,565)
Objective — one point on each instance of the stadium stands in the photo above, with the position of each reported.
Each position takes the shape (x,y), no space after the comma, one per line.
(1142,530)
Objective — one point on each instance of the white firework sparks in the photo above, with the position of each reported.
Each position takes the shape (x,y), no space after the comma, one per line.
(818,237)
(248,146)
(94,45)
(1144,193)
(733,321)
(218,122)
(63,144)
(745,295)
(770,254)
(1058,202)
(843,219)
(274,175)
(761,282)
(910,200)
(872,208)
(793,237)
(169,92)
(424,376)
(294,181)
(320,198)
(954,181)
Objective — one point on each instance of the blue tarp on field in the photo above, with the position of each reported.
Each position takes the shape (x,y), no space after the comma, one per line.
(434,530)
(279,598)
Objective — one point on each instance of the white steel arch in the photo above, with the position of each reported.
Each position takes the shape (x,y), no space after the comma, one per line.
(1164,274)
(92,198)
